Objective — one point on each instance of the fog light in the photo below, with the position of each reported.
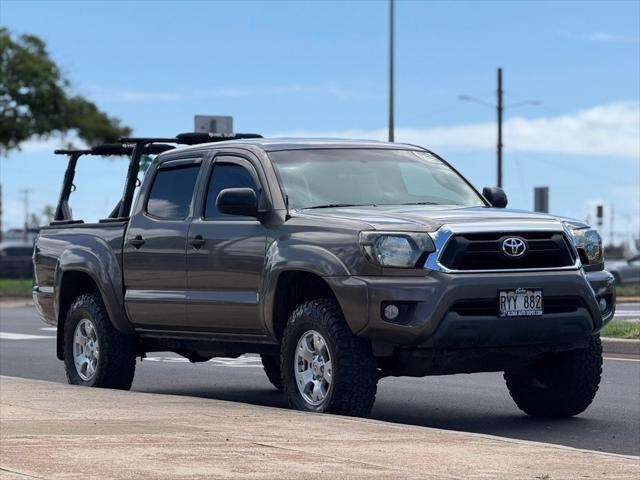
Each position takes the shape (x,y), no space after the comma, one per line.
(603,305)
(391,312)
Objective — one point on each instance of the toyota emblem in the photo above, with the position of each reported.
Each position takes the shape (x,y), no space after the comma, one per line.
(514,246)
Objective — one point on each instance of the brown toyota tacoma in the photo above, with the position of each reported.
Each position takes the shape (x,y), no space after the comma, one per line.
(339,262)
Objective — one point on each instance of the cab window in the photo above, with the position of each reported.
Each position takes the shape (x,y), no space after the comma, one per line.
(171,193)
(226,175)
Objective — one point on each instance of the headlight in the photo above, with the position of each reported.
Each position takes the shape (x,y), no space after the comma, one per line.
(391,249)
(589,245)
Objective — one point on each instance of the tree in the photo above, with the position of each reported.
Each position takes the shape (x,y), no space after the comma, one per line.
(35,98)
(48,213)
(34,221)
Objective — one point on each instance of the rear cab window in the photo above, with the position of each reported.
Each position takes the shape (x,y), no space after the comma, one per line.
(172,191)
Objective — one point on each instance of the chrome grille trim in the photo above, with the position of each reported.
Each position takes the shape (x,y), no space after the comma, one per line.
(443,235)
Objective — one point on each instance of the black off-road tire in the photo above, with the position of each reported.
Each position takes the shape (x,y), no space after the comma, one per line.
(355,375)
(117,354)
(271,365)
(559,385)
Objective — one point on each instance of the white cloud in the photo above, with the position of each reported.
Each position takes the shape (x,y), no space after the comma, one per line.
(105,94)
(611,130)
(604,37)
(50,144)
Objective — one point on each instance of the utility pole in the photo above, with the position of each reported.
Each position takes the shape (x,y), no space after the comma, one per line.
(25,193)
(611,225)
(391,69)
(499,109)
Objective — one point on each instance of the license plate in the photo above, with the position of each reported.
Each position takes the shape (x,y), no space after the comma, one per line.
(520,302)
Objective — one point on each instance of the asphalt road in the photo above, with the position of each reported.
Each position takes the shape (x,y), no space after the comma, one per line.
(628,311)
(473,403)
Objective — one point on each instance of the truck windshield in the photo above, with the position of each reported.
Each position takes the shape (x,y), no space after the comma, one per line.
(350,177)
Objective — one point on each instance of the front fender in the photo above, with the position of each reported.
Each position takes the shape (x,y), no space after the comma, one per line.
(294,257)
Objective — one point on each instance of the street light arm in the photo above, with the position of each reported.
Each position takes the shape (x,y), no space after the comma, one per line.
(526,102)
(468,98)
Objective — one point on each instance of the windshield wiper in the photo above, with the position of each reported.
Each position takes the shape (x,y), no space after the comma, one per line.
(420,203)
(334,205)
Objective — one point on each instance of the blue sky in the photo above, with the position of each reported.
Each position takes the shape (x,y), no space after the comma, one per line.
(319,68)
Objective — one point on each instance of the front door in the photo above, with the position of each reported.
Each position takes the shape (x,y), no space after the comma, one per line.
(225,256)
(155,244)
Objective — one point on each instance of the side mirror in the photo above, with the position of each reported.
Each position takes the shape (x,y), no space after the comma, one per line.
(496,196)
(238,201)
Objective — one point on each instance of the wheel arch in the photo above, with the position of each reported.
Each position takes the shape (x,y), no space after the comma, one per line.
(292,288)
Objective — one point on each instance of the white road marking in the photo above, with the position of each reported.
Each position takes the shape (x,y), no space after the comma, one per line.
(240,362)
(22,336)
(49,329)
(622,359)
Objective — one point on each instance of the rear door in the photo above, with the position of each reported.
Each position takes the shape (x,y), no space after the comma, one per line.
(226,254)
(155,243)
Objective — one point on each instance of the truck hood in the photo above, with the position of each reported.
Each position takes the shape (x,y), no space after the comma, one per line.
(427,217)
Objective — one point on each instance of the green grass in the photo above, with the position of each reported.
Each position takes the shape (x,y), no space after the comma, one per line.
(622,329)
(15,287)
(628,290)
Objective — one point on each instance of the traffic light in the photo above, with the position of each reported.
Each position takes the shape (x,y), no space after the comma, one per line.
(599,215)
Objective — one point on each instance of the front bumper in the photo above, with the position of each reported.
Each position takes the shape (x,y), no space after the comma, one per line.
(433,320)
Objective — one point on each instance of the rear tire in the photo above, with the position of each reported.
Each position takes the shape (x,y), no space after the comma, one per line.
(340,375)
(559,385)
(271,365)
(95,353)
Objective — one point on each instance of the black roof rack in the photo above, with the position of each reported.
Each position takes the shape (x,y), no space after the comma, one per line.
(140,143)
(192,138)
(135,147)
(109,149)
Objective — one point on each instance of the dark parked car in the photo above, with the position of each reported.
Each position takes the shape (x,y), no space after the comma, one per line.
(15,260)
(339,262)
(626,272)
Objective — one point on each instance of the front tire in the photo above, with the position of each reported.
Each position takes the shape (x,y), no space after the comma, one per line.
(325,368)
(95,353)
(559,385)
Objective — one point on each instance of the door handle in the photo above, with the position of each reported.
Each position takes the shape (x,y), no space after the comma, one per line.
(197,241)
(137,242)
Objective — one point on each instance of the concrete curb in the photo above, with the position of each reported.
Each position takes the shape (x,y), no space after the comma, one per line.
(142,435)
(14,302)
(627,299)
(621,346)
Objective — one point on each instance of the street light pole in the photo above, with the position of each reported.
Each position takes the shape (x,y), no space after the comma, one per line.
(391,69)
(499,108)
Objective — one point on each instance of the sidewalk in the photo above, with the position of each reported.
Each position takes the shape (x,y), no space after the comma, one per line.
(56,431)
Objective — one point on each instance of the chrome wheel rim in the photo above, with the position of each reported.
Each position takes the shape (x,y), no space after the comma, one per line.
(86,349)
(313,368)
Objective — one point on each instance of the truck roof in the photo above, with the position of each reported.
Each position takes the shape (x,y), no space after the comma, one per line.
(275,144)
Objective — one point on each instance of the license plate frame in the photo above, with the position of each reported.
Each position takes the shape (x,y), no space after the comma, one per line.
(520,302)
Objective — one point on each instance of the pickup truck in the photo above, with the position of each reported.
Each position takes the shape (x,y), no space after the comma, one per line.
(339,262)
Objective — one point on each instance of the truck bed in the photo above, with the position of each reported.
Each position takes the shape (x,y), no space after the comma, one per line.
(80,247)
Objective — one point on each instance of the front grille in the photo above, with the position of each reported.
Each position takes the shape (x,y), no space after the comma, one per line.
(483,251)
(489,306)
